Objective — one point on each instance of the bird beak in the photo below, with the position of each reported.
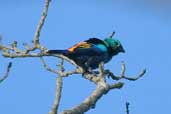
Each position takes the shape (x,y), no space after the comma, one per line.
(121,49)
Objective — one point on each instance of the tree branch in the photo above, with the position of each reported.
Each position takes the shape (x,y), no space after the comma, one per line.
(97,78)
(102,88)
(41,23)
(122,75)
(113,33)
(58,93)
(59,84)
(127,107)
(47,67)
(25,53)
(6,73)
(90,102)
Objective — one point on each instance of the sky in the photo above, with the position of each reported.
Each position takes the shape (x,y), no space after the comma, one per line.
(143,27)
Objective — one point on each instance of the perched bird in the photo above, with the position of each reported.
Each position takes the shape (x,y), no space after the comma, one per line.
(90,53)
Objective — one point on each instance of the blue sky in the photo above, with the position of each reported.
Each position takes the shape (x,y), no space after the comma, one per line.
(143,27)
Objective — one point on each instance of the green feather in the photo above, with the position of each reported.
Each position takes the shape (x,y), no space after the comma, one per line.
(112,42)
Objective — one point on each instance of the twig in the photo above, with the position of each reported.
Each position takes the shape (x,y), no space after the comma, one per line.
(58,91)
(59,84)
(60,66)
(113,33)
(136,77)
(122,75)
(36,40)
(63,74)
(47,67)
(0,38)
(123,69)
(68,73)
(41,22)
(7,72)
(6,50)
(127,107)
(23,55)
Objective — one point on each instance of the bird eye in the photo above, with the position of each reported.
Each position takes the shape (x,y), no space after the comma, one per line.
(117,44)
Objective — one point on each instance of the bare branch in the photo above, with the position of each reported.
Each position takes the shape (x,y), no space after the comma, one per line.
(55,106)
(113,33)
(60,66)
(136,77)
(61,69)
(5,48)
(101,89)
(116,85)
(6,73)
(68,73)
(42,54)
(90,102)
(0,38)
(59,84)
(47,67)
(123,69)
(19,53)
(23,55)
(41,22)
(127,107)
(122,75)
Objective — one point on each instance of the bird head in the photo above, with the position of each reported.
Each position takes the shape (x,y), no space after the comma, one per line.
(114,45)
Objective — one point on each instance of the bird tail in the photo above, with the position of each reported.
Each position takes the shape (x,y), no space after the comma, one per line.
(57,51)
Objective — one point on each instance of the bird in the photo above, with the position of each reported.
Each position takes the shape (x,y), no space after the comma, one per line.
(90,53)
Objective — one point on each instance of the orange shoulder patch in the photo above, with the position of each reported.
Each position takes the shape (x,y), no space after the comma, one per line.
(79,45)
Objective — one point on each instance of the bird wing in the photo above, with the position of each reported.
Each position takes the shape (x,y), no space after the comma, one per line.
(95,41)
(84,48)
(80,45)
